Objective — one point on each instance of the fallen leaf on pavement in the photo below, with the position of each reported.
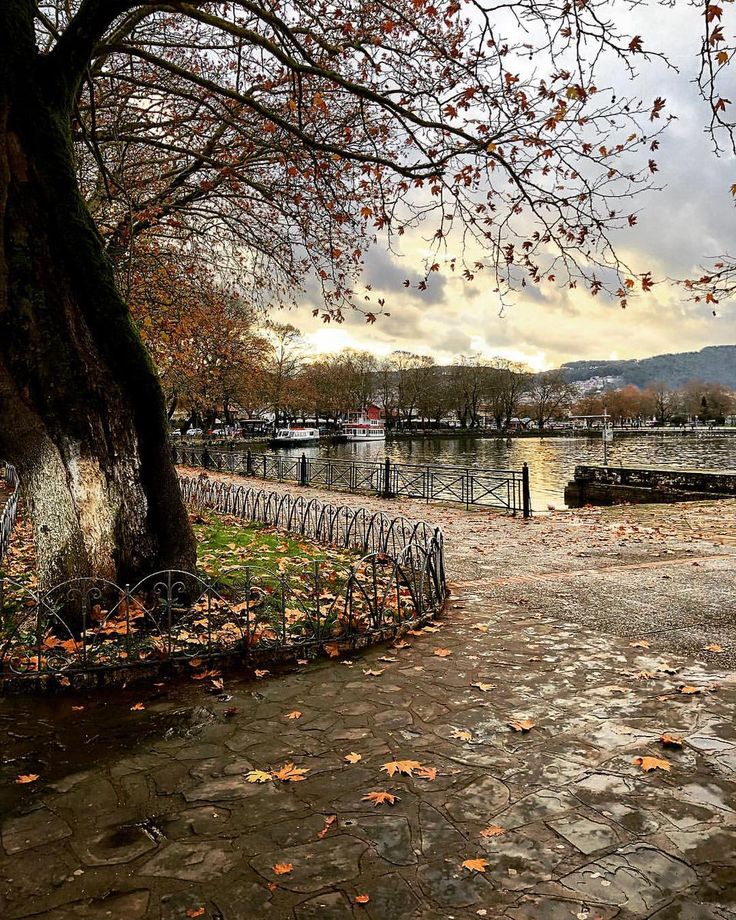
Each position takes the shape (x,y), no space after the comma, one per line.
(427,773)
(361,898)
(136,707)
(521,725)
(651,763)
(461,734)
(639,643)
(442,652)
(689,690)
(402,643)
(295,714)
(258,776)
(372,672)
(261,673)
(381,798)
(404,767)
(493,830)
(290,773)
(352,757)
(27,778)
(479,685)
(714,647)
(671,740)
(195,912)
(282,868)
(329,821)
(475,865)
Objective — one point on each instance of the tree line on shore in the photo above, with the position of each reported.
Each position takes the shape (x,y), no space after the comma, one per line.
(219,363)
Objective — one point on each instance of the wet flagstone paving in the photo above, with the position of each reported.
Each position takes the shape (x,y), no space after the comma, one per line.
(142,813)
(148,813)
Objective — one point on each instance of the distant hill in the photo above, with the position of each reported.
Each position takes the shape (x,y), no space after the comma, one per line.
(715,364)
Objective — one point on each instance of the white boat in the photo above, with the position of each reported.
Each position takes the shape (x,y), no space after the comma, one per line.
(362,427)
(293,436)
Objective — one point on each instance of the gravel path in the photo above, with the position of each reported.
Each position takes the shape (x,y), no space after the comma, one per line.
(634,571)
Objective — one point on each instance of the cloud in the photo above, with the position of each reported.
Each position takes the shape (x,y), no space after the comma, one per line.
(677,229)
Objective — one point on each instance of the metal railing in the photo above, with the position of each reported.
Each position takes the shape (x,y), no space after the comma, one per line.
(87,629)
(506,489)
(10,508)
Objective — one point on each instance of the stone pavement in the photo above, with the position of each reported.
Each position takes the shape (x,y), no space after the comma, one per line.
(148,812)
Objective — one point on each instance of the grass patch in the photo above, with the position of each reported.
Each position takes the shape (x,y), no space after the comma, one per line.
(227,545)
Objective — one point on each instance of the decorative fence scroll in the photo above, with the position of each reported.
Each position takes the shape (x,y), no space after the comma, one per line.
(87,628)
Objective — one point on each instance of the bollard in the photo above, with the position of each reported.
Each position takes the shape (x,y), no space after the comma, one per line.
(525,496)
(387,478)
(303,478)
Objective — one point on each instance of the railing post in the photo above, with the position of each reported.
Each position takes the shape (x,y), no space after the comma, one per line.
(525,497)
(387,478)
(173,453)
(248,463)
(206,458)
(303,479)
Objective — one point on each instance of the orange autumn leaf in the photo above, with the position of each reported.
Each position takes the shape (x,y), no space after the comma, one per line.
(403,767)
(329,821)
(195,912)
(475,865)
(361,898)
(714,647)
(137,707)
(521,725)
(26,778)
(689,690)
(282,868)
(651,763)
(493,830)
(261,673)
(290,773)
(429,773)
(669,740)
(352,757)
(639,643)
(381,798)
(442,652)
(294,715)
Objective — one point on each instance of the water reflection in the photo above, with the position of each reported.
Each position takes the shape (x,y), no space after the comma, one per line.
(551,460)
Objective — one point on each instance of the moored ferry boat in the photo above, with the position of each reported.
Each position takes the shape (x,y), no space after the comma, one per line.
(293,436)
(364,426)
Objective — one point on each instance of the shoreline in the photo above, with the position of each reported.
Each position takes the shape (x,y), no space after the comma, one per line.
(481,435)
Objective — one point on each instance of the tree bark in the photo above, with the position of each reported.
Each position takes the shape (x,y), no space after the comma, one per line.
(82,414)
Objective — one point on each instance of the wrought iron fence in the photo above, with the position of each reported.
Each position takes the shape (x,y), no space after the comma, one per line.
(86,628)
(506,489)
(9,509)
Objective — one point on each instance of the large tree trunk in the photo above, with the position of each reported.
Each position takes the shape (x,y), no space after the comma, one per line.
(82,414)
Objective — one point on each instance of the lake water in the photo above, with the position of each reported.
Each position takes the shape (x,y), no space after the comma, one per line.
(551,460)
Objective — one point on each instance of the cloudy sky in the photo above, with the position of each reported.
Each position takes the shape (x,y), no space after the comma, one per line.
(691,219)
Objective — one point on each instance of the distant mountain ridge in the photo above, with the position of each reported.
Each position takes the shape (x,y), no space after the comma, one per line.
(714,364)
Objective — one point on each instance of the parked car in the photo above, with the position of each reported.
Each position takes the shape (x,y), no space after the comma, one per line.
(194,432)
(175,433)
(218,432)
